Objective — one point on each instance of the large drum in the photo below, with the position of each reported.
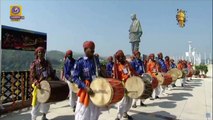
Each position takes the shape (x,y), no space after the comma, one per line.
(107,91)
(185,72)
(154,83)
(175,74)
(135,87)
(147,77)
(52,91)
(148,86)
(160,78)
(148,91)
(190,73)
(167,79)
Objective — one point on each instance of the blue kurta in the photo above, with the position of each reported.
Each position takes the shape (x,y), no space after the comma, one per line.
(85,69)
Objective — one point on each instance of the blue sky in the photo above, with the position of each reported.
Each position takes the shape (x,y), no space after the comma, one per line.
(69,23)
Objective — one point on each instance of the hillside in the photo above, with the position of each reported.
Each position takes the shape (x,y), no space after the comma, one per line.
(14,60)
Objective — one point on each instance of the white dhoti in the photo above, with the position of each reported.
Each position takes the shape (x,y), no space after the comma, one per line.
(156,91)
(163,89)
(42,107)
(90,112)
(72,96)
(124,106)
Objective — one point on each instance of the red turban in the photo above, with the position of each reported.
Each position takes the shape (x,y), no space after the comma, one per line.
(39,49)
(119,54)
(68,52)
(89,44)
(151,55)
(136,52)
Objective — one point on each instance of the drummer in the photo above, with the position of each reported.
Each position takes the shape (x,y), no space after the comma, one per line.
(190,69)
(138,66)
(86,69)
(152,69)
(109,67)
(185,69)
(122,71)
(40,69)
(173,65)
(168,66)
(180,67)
(162,67)
(167,62)
(68,73)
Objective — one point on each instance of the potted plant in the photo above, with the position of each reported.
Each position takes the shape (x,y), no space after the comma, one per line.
(197,71)
(203,69)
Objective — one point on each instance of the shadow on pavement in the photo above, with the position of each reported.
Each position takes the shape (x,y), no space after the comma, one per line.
(177,96)
(196,80)
(58,107)
(194,84)
(160,115)
(189,88)
(16,117)
(64,117)
(165,104)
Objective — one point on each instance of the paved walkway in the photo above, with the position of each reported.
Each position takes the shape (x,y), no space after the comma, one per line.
(190,103)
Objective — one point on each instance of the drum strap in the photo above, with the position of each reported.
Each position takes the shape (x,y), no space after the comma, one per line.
(96,67)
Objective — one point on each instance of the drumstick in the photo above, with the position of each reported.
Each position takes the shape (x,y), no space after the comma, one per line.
(132,91)
(100,91)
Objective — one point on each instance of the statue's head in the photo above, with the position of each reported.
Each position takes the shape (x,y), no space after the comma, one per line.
(133,16)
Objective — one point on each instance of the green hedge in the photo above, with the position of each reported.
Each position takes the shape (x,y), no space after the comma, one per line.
(201,68)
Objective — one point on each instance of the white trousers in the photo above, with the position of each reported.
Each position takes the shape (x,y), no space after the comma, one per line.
(135,100)
(156,91)
(124,106)
(90,112)
(163,89)
(184,81)
(72,96)
(42,107)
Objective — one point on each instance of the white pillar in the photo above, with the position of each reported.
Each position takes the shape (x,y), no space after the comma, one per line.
(190,51)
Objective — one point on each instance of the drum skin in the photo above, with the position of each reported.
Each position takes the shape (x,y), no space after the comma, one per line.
(175,73)
(160,78)
(135,87)
(52,91)
(74,87)
(107,91)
